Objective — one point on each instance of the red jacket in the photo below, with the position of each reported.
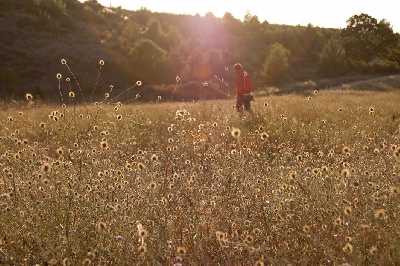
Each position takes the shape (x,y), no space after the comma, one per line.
(244,83)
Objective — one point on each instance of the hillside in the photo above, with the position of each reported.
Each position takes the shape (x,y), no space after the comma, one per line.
(35,37)
(35,54)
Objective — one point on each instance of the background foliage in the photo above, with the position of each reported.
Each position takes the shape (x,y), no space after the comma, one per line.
(157,47)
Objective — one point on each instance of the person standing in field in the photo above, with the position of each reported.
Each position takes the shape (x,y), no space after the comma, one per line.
(244,88)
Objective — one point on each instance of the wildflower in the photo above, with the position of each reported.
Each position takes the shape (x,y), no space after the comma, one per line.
(348,248)
(259,263)
(87,261)
(153,185)
(380,214)
(104,144)
(28,96)
(142,249)
(235,132)
(345,150)
(345,173)
(141,166)
(101,225)
(45,167)
(264,135)
(142,233)
(373,250)
(394,190)
(52,261)
(290,230)
(60,151)
(154,158)
(219,235)
(348,210)
(178,261)
(306,228)
(338,221)
(248,239)
(181,250)
(396,152)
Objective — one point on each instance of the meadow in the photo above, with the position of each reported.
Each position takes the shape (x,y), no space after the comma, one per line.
(311,180)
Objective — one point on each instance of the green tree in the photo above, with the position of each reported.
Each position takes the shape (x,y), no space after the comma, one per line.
(129,34)
(6,4)
(199,65)
(143,16)
(53,8)
(176,61)
(156,34)
(91,15)
(8,82)
(216,62)
(364,39)
(149,60)
(276,63)
(332,59)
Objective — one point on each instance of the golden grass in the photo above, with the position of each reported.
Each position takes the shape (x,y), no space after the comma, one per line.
(310,181)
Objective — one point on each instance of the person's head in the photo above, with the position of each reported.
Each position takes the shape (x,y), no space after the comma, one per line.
(237,67)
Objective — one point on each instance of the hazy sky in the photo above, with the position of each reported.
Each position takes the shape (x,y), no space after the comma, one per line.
(327,14)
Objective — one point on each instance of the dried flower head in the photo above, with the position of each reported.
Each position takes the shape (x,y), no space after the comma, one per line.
(101,225)
(45,167)
(142,232)
(373,250)
(181,250)
(348,210)
(142,249)
(394,190)
(235,132)
(380,214)
(348,248)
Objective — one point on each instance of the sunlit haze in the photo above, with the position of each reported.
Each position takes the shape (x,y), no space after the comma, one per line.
(326,14)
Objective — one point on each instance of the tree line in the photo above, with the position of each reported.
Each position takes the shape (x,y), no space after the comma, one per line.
(158,47)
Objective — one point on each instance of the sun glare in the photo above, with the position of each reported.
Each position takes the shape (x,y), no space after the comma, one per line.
(289,12)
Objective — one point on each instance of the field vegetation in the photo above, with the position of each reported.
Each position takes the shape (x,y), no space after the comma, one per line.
(312,179)
(97,172)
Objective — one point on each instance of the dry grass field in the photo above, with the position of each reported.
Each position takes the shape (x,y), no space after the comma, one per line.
(312,180)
